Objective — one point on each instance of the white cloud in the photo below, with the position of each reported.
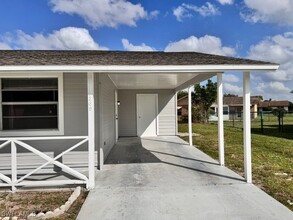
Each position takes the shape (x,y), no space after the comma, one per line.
(272,87)
(226,2)
(277,49)
(269,11)
(206,44)
(130,47)
(185,10)
(153,14)
(69,38)
(279,87)
(274,90)
(181,12)
(232,89)
(98,13)
(4,46)
(230,78)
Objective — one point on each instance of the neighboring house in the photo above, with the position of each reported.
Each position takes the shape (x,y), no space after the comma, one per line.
(233,107)
(268,105)
(68,108)
(182,107)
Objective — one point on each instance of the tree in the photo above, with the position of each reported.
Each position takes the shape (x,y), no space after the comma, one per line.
(181,94)
(204,97)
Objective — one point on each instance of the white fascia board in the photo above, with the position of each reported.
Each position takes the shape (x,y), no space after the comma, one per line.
(143,69)
(194,80)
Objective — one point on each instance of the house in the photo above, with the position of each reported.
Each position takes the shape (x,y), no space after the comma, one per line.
(64,110)
(182,107)
(267,105)
(233,107)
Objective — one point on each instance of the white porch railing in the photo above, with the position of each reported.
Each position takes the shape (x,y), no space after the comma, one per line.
(16,180)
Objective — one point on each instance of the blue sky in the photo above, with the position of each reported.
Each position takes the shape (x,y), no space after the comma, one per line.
(241,28)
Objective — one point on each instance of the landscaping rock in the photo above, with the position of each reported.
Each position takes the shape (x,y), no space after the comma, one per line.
(58,211)
(281,174)
(41,215)
(31,216)
(49,215)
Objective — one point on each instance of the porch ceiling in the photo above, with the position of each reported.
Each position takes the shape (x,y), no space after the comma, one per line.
(157,80)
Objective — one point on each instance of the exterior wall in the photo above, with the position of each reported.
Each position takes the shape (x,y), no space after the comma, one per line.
(127,111)
(214,117)
(75,124)
(108,113)
(75,104)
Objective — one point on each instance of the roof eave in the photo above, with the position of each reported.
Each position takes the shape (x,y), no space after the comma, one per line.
(142,68)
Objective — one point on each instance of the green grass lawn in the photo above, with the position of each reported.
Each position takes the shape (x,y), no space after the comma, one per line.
(270,154)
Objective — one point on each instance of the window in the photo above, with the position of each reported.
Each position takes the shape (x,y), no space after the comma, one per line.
(225,110)
(31,105)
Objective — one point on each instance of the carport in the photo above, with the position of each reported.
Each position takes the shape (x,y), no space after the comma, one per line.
(153,78)
(165,178)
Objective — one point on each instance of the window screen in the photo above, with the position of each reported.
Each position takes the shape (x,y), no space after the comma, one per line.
(29,103)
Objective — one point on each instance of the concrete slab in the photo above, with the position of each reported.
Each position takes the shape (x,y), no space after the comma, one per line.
(164,178)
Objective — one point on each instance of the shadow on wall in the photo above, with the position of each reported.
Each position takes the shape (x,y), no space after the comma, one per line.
(127,111)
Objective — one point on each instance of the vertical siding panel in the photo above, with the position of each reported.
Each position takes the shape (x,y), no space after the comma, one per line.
(167,118)
(75,104)
(127,111)
(108,111)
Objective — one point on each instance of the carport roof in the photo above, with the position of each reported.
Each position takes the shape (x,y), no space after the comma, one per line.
(112,58)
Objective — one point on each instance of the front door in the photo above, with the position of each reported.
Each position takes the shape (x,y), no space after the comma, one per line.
(147,111)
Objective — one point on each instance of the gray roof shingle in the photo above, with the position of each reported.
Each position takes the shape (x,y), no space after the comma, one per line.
(99,58)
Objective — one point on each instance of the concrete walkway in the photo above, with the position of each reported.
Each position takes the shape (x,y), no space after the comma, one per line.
(163,178)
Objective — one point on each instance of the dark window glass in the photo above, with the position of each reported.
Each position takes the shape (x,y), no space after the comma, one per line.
(30,103)
(30,123)
(29,96)
(29,110)
(225,111)
(30,83)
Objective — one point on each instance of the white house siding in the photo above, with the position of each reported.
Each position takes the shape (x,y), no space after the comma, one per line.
(75,104)
(75,124)
(108,113)
(127,111)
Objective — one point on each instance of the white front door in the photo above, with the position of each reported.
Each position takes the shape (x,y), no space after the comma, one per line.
(147,111)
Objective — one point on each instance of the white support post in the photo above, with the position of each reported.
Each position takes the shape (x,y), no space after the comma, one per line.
(220,120)
(247,127)
(176,114)
(91,129)
(101,140)
(13,166)
(190,116)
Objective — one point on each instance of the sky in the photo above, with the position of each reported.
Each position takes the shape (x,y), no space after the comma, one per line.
(239,28)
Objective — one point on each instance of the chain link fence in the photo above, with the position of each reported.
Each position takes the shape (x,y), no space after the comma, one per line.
(263,122)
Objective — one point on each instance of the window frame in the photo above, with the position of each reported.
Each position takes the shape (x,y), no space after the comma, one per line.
(36,132)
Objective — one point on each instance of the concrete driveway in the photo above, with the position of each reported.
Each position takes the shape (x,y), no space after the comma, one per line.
(163,178)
